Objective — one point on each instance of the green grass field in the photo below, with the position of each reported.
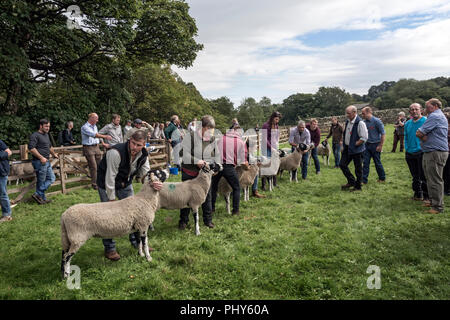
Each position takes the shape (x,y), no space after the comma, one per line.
(306,240)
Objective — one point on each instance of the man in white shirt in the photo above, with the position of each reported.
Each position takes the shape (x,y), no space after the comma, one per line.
(192,126)
(355,135)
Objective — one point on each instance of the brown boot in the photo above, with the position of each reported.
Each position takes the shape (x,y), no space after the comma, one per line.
(257,195)
(112,255)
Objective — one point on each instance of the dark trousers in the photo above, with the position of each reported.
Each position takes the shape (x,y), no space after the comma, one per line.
(419,183)
(316,159)
(110,244)
(206,206)
(229,173)
(397,138)
(357,161)
(304,165)
(447,176)
(369,153)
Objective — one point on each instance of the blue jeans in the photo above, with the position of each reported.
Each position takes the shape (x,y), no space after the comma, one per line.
(316,159)
(6,206)
(337,153)
(369,153)
(44,177)
(110,244)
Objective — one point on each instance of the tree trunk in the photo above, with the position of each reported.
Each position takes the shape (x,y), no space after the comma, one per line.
(11,105)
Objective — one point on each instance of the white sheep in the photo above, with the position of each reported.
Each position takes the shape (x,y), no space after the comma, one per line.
(21,170)
(108,220)
(324,150)
(272,169)
(187,194)
(291,163)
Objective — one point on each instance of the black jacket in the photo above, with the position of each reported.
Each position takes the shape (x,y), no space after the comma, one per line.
(123,178)
(4,162)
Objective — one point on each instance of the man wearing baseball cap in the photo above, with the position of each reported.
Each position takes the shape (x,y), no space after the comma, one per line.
(138,125)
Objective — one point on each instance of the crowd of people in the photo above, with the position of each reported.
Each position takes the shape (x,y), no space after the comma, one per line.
(425,138)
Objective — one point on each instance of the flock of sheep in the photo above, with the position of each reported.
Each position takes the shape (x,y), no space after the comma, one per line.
(110,220)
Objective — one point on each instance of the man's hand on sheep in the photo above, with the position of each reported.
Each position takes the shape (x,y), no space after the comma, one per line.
(201,163)
(157,185)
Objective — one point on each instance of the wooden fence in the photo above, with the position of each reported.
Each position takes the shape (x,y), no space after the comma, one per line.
(71,167)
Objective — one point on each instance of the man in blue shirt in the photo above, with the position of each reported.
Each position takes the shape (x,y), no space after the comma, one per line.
(433,134)
(91,150)
(414,153)
(374,145)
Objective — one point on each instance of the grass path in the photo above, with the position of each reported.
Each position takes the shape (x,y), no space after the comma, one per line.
(306,240)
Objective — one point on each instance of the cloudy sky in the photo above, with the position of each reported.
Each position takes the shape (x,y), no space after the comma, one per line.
(256,48)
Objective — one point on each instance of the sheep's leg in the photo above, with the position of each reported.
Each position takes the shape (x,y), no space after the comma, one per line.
(227,202)
(197,227)
(141,247)
(290,175)
(67,257)
(63,264)
(144,243)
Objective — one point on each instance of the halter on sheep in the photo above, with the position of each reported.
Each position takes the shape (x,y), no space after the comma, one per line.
(188,194)
(111,219)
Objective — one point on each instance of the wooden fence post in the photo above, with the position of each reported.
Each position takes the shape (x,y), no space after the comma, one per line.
(23,152)
(61,173)
(167,151)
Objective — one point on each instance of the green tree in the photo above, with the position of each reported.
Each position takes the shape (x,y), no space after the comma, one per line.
(37,45)
(330,101)
(295,107)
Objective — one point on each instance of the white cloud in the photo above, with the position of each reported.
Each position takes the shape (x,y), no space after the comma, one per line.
(252,45)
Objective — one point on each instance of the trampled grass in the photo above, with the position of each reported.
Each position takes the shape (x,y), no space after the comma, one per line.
(306,240)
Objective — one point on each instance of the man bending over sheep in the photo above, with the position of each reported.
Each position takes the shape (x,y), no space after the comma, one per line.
(115,175)
(198,148)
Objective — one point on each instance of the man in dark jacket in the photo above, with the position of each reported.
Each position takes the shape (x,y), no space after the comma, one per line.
(115,173)
(66,135)
(5,153)
(355,135)
(197,150)
(336,131)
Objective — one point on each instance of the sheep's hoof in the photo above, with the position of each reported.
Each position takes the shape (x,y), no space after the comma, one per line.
(142,254)
(197,233)
(149,259)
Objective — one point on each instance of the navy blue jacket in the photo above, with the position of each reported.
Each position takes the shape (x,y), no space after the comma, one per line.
(4,162)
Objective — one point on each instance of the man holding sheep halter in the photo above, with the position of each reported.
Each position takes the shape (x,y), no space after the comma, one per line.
(116,171)
(197,149)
